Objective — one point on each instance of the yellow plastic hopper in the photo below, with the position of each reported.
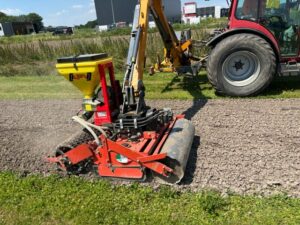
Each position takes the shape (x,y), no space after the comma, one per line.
(82,71)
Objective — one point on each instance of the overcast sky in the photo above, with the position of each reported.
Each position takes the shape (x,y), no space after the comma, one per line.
(67,12)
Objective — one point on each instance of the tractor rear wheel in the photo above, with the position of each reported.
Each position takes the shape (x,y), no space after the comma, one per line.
(241,65)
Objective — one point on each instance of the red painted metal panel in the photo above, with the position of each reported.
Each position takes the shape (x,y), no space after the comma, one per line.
(122,172)
(103,112)
(109,166)
(80,153)
(235,23)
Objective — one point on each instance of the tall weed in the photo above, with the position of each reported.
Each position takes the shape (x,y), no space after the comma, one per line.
(49,51)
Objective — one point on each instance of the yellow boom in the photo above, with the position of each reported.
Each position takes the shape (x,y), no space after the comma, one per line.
(177,56)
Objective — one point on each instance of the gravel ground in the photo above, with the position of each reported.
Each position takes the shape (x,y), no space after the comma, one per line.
(241,146)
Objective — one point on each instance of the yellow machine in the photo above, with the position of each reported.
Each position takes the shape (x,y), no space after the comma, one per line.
(168,65)
(176,53)
(83,75)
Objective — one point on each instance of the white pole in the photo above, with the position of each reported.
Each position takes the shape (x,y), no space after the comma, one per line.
(113,11)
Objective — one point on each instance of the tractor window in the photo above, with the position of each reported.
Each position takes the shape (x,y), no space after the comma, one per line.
(247,10)
(282,17)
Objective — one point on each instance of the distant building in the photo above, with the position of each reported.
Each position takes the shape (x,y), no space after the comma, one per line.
(209,12)
(6,29)
(173,10)
(224,12)
(152,24)
(114,11)
(102,28)
(16,28)
(189,13)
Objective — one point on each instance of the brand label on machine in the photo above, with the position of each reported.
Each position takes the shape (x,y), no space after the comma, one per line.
(87,76)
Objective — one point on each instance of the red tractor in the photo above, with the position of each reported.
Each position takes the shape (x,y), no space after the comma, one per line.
(261,41)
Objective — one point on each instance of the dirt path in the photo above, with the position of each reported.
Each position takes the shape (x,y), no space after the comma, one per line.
(244,146)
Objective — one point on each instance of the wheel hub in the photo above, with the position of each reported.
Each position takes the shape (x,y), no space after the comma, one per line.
(241,68)
(239,65)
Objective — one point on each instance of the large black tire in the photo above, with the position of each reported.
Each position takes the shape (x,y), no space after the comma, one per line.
(241,65)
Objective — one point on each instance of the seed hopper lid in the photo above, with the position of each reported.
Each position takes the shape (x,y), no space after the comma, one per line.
(82,58)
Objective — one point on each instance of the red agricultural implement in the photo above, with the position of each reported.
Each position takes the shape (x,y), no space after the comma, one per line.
(120,145)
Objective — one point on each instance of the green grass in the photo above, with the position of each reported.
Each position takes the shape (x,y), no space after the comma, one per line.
(159,86)
(78,34)
(34,87)
(53,200)
(92,33)
(45,50)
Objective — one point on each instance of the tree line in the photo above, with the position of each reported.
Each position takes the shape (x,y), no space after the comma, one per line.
(33,18)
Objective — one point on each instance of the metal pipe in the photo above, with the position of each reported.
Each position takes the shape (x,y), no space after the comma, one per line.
(135,52)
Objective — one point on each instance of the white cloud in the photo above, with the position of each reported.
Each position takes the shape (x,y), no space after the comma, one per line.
(59,13)
(77,6)
(11,12)
(92,11)
(69,17)
(92,3)
(92,8)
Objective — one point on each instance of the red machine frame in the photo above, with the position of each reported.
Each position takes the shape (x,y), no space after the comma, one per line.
(145,153)
(104,112)
(141,154)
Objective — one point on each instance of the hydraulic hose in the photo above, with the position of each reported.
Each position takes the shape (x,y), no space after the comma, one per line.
(88,126)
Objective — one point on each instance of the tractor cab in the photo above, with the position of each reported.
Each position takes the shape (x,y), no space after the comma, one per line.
(281,17)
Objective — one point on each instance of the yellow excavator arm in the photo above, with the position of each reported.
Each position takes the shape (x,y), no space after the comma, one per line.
(174,49)
(176,52)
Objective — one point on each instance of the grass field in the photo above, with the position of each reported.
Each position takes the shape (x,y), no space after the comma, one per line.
(159,86)
(53,200)
(209,23)
(43,52)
